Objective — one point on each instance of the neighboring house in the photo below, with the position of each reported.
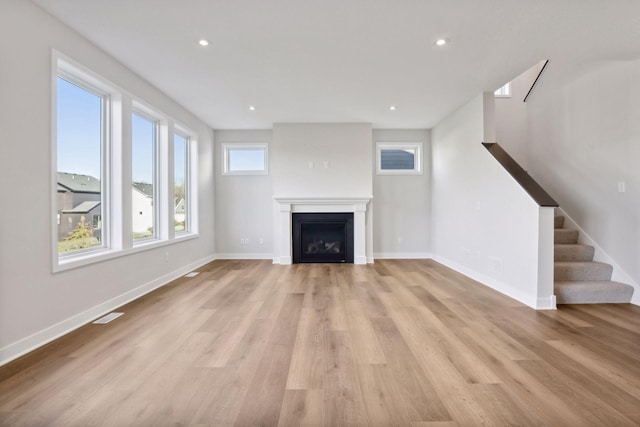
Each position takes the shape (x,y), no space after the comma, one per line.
(142,208)
(179,212)
(78,200)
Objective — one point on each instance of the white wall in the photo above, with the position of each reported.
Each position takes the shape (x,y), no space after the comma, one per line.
(401,203)
(483,224)
(511,116)
(584,138)
(340,155)
(244,203)
(35,304)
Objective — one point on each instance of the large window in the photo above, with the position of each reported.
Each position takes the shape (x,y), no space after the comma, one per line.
(181,182)
(81,138)
(144,143)
(99,209)
(399,158)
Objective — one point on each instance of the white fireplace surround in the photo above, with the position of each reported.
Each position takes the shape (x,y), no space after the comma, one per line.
(288,205)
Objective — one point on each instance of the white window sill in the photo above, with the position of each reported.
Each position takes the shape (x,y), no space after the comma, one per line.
(93,257)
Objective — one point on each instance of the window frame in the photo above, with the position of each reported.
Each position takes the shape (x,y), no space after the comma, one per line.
(89,82)
(417,166)
(116,171)
(231,146)
(187,181)
(156,120)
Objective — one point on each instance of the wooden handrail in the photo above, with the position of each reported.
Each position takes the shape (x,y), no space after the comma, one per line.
(537,193)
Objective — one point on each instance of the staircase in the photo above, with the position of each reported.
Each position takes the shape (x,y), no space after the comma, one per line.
(579,279)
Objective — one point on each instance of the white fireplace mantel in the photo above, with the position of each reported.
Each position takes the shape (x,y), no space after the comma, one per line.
(288,205)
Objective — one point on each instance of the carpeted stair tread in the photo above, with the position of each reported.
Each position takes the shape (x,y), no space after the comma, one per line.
(558,221)
(573,252)
(565,236)
(592,292)
(591,271)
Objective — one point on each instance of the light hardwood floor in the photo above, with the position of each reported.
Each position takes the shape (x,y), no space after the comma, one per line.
(402,343)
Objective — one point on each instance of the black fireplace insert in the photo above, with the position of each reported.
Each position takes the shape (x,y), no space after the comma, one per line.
(322,237)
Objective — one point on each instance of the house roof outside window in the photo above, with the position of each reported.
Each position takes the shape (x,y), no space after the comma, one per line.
(77,183)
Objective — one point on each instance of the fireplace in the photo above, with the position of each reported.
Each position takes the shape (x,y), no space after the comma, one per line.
(322,237)
(288,206)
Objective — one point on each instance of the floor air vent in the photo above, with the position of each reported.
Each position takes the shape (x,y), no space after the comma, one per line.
(108,318)
(192,274)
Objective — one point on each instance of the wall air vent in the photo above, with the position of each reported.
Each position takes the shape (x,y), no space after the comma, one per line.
(108,318)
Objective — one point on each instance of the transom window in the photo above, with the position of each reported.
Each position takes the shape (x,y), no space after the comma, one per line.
(504,91)
(245,159)
(399,158)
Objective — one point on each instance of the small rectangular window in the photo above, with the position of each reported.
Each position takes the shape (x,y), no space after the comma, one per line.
(399,158)
(80,144)
(144,143)
(504,91)
(245,159)
(181,182)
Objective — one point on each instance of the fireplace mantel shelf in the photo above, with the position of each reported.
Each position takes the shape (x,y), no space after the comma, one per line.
(324,200)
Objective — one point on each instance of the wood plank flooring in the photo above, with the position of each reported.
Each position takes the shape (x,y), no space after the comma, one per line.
(397,343)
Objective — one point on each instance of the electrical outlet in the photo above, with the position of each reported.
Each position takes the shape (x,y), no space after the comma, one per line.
(166,257)
(622,187)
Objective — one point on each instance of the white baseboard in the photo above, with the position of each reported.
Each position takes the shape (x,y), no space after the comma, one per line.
(546,303)
(32,342)
(531,300)
(402,255)
(245,256)
(618,275)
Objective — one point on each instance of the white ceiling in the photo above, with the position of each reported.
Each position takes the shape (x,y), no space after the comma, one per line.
(344,60)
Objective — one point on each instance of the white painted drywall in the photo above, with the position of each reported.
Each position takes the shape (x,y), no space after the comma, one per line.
(401,203)
(480,216)
(322,160)
(244,203)
(511,116)
(35,304)
(584,139)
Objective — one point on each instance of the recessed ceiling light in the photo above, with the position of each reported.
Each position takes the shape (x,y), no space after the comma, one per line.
(392,107)
(252,107)
(203,42)
(441,42)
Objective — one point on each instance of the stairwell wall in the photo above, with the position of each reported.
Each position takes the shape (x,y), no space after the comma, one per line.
(583,141)
(483,223)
